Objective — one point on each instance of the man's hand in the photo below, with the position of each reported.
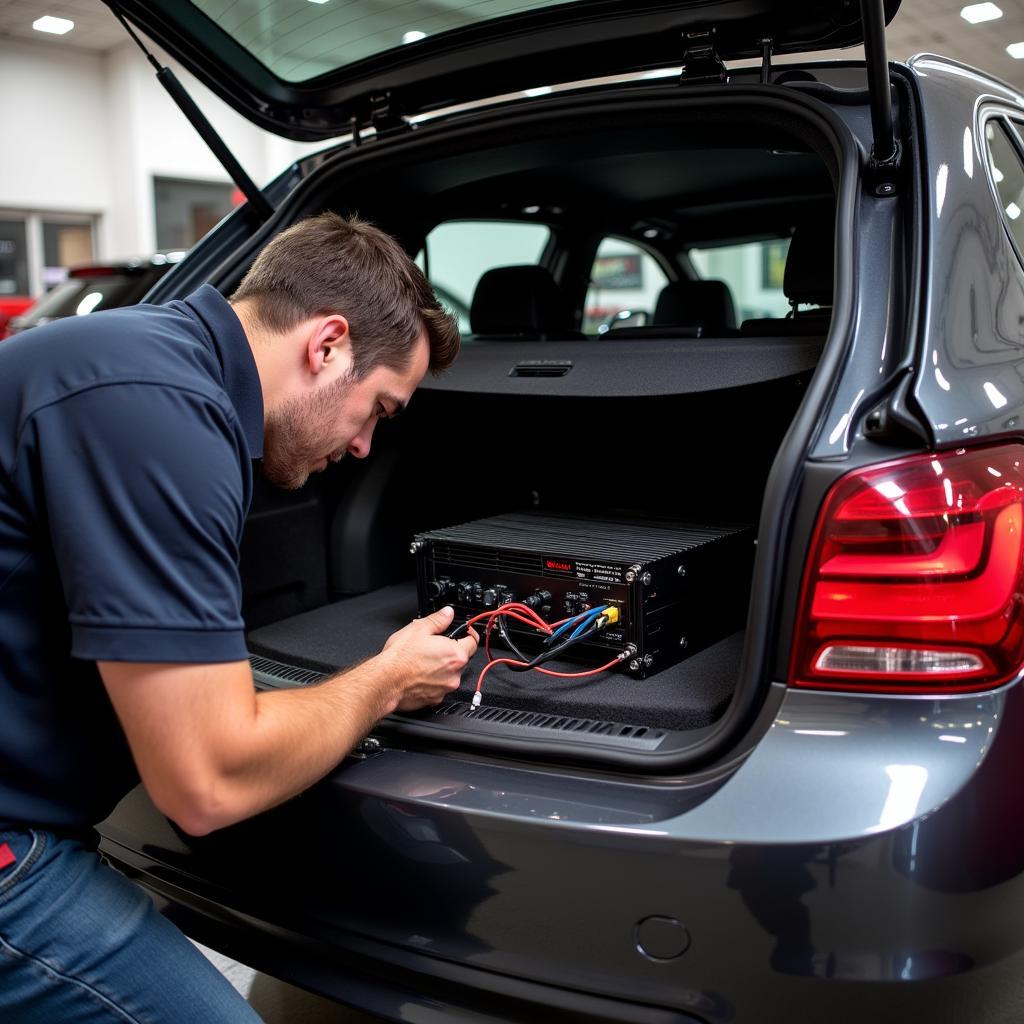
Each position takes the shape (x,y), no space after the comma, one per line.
(429,665)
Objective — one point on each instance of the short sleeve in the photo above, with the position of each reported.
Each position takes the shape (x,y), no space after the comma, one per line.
(145,498)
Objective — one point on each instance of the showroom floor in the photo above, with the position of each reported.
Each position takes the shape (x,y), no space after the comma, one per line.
(278,1003)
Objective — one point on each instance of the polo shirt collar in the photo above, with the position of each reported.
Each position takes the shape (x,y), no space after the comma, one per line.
(241,378)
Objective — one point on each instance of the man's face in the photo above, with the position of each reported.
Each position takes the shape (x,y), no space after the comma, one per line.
(308,432)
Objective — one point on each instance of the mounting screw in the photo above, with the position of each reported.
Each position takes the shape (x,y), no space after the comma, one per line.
(681,571)
(646,579)
(684,642)
(885,189)
(648,660)
(632,572)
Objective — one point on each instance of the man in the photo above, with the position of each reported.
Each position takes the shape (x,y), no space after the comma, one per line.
(126,443)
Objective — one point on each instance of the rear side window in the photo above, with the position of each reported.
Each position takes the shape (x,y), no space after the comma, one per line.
(754,272)
(459,252)
(625,282)
(1008,176)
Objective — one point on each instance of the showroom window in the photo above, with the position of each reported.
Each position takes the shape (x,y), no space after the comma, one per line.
(458,253)
(187,210)
(13,258)
(36,249)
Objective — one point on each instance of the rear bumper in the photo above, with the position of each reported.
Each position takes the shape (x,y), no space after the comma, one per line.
(854,863)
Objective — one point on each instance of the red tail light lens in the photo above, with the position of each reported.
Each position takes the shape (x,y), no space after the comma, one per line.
(915,581)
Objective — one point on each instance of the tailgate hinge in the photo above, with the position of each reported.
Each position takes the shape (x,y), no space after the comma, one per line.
(381,113)
(701,62)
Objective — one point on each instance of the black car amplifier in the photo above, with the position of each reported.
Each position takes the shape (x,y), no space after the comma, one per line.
(678,586)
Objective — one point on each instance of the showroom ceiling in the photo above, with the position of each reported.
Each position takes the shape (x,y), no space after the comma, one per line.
(933,25)
(95,27)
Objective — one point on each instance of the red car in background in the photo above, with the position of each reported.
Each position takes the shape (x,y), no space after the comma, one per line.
(10,307)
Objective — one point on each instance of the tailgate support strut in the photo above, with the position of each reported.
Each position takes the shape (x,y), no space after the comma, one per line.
(885,152)
(258,202)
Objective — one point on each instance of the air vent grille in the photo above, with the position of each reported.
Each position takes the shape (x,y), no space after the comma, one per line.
(277,673)
(641,735)
(540,369)
(486,558)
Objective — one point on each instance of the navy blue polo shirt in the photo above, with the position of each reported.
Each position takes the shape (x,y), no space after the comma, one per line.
(126,447)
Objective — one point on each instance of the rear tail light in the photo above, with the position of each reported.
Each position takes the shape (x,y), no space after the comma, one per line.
(915,580)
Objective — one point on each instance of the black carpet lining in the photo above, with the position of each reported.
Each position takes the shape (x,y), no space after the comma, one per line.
(686,696)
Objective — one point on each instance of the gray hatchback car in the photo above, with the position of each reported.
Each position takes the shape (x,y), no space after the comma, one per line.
(805,805)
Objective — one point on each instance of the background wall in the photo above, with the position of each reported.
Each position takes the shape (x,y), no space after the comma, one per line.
(87,133)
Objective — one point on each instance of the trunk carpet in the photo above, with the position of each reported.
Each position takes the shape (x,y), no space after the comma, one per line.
(686,696)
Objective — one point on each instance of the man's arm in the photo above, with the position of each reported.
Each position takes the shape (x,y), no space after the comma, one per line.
(211,751)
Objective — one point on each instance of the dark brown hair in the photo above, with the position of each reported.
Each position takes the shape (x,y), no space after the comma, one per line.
(331,264)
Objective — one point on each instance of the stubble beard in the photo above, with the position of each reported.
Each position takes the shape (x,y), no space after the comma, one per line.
(293,437)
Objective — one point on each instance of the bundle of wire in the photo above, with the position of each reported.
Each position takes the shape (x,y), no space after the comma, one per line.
(578,627)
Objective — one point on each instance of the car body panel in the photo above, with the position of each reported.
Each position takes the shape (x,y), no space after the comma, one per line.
(544,876)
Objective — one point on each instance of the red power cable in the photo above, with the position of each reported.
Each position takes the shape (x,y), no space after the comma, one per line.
(512,610)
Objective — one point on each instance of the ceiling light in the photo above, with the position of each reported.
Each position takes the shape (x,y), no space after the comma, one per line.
(56,26)
(976,13)
(414,36)
(1016,50)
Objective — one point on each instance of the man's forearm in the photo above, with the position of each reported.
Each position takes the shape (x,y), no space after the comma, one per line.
(297,736)
(211,751)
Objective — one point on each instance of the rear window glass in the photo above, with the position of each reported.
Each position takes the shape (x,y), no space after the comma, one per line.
(300,39)
(458,253)
(753,271)
(1008,175)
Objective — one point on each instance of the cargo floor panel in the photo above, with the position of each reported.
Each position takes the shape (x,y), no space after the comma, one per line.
(688,695)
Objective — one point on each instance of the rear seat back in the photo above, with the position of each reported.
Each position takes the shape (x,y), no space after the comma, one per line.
(706,304)
(808,279)
(522,302)
(687,309)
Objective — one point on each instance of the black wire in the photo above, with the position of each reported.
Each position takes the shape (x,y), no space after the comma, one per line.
(540,658)
(505,635)
(555,651)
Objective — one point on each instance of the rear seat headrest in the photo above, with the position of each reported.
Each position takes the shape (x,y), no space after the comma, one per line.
(708,304)
(518,301)
(810,265)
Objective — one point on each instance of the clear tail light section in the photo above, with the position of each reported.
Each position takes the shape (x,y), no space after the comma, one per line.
(915,580)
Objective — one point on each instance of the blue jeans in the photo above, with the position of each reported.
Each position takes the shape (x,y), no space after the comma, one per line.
(80,943)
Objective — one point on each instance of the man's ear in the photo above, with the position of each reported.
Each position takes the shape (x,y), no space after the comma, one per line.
(329,346)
